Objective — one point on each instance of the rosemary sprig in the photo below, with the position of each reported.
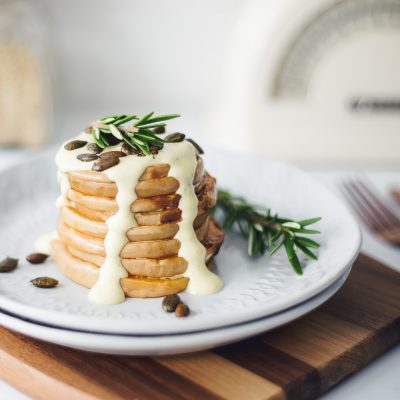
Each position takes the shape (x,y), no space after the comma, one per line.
(112,129)
(265,231)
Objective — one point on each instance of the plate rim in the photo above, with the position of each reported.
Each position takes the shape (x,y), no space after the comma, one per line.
(198,341)
(70,320)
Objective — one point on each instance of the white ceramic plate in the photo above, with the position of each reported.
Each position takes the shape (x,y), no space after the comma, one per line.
(253,288)
(164,344)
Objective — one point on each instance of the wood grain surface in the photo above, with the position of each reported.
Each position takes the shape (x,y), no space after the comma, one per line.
(301,360)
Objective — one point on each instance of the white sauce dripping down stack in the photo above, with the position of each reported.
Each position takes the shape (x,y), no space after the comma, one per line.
(182,159)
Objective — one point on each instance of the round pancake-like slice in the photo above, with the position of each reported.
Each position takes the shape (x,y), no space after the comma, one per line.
(159,217)
(152,268)
(202,230)
(92,176)
(155,232)
(155,203)
(151,249)
(82,224)
(155,172)
(149,287)
(91,258)
(199,172)
(213,240)
(200,219)
(86,274)
(155,268)
(157,187)
(199,185)
(80,241)
(82,272)
(94,203)
(207,197)
(101,189)
(100,216)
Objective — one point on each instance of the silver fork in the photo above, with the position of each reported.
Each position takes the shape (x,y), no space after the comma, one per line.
(373,211)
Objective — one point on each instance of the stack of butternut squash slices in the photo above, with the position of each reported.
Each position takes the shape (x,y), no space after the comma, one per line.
(151,254)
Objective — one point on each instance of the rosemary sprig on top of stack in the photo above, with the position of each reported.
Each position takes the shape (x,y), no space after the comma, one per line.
(139,135)
(267,232)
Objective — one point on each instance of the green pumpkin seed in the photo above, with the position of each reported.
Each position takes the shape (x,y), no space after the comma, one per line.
(175,137)
(8,264)
(75,144)
(170,302)
(44,282)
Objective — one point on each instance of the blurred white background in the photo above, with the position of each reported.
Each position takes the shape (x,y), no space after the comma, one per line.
(137,56)
(307,82)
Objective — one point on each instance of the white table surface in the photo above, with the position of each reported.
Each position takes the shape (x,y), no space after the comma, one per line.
(381,378)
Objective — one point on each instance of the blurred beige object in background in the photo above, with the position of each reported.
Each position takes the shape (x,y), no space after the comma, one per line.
(313,81)
(24,87)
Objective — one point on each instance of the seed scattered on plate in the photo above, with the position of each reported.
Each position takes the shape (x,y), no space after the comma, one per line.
(37,258)
(87,157)
(8,264)
(115,153)
(44,282)
(175,137)
(170,302)
(196,146)
(94,148)
(104,163)
(182,310)
(75,144)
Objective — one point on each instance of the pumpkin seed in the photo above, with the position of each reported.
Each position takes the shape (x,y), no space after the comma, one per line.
(196,146)
(170,302)
(128,150)
(159,129)
(105,163)
(154,150)
(182,310)
(109,154)
(75,144)
(125,148)
(93,148)
(175,137)
(87,157)
(37,258)
(44,282)
(8,264)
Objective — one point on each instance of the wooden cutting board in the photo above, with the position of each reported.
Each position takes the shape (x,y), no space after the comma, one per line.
(301,360)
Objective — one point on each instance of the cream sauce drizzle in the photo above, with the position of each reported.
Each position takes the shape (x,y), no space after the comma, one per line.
(42,244)
(182,159)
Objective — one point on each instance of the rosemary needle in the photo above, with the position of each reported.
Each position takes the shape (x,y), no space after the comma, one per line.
(110,130)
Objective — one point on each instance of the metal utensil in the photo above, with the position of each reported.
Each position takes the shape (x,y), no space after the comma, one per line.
(375,214)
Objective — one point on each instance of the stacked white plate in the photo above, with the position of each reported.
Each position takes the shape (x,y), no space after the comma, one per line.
(259,295)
